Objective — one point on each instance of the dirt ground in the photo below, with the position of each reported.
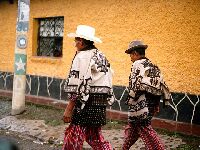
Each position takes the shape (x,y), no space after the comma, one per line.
(22,142)
(52,117)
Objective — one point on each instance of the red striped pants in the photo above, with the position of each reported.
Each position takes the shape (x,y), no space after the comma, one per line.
(75,135)
(148,135)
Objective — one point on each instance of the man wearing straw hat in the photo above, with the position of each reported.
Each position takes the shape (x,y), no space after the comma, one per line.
(89,88)
(146,86)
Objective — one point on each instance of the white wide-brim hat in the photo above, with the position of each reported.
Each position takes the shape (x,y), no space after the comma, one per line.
(85,32)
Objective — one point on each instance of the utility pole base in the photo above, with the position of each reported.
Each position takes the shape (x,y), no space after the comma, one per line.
(17,111)
(18,98)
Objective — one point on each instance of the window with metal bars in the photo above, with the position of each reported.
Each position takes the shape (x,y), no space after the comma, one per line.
(50,36)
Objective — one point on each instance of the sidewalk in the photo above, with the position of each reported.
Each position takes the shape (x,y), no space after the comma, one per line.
(48,134)
(30,125)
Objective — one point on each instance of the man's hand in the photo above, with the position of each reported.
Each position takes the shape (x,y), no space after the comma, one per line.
(67,119)
(68,112)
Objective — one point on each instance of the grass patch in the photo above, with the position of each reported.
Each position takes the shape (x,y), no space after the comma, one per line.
(192,142)
(185,147)
(5,98)
(52,116)
(5,106)
(114,124)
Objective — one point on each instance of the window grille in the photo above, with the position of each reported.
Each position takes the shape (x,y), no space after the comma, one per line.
(50,36)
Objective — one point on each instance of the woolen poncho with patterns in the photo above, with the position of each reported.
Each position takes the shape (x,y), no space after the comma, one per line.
(90,73)
(145,77)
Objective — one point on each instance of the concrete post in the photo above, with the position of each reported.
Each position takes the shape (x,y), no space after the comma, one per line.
(19,82)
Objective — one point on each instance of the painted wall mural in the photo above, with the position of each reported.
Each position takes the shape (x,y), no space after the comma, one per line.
(23,17)
(183,108)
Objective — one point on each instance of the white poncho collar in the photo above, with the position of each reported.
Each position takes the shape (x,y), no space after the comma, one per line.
(145,76)
(90,73)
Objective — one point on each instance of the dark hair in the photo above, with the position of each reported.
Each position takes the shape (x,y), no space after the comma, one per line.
(140,51)
(88,42)
(85,42)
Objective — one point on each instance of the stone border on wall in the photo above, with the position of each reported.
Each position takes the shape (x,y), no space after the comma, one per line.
(183,108)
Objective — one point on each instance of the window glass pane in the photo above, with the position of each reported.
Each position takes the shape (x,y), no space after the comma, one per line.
(47,27)
(50,37)
(46,46)
(59,26)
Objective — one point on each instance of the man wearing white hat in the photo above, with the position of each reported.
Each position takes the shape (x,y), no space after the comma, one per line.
(89,88)
(146,86)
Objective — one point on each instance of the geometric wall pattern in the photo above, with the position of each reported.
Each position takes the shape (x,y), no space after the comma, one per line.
(183,108)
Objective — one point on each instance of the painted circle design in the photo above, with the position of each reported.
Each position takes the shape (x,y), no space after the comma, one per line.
(21,41)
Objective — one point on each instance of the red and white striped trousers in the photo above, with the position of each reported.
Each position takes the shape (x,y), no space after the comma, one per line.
(148,135)
(75,135)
